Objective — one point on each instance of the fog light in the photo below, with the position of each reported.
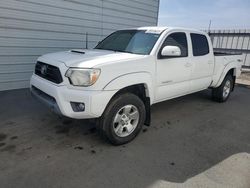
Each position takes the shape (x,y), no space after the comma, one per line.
(77,107)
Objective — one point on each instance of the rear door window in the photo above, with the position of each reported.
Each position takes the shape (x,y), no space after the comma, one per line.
(199,44)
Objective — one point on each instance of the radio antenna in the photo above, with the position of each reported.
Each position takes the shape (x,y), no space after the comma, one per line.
(86,40)
(209,26)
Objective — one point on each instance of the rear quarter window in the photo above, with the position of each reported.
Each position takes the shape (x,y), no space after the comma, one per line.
(199,44)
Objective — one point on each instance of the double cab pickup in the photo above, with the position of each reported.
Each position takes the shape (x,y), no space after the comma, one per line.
(117,82)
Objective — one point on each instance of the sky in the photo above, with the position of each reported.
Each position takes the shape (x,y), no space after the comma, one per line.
(224,14)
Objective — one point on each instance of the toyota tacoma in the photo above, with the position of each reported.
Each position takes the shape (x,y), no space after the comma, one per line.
(117,82)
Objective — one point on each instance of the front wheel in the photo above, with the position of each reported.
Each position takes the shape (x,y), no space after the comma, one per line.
(222,93)
(123,119)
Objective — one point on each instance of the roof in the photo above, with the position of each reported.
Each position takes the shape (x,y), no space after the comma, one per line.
(157,29)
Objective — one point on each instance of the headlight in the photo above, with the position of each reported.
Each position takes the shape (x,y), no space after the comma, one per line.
(82,77)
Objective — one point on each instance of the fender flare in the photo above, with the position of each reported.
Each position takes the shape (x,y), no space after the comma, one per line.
(224,73)
(130,79)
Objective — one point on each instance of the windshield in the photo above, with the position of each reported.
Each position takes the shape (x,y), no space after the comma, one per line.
(131,41)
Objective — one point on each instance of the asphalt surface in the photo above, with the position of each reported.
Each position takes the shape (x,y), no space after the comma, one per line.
(192,142)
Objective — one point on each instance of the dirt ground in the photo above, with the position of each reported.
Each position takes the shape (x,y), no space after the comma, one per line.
(244,78)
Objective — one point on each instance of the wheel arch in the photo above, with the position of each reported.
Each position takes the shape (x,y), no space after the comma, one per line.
(142,91)
(230,70)
(132,79)
(138,83)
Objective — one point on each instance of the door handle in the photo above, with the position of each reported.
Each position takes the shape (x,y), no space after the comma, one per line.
(188,64)
(210,62)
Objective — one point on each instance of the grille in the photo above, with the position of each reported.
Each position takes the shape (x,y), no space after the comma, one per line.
(48,72)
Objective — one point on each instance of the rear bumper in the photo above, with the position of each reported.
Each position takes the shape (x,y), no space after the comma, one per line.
(59,97)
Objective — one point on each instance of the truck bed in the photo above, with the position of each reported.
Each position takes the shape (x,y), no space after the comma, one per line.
(222,60)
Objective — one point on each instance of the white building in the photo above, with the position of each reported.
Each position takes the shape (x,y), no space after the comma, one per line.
(30,28)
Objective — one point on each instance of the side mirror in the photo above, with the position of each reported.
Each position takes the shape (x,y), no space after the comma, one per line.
(171,51)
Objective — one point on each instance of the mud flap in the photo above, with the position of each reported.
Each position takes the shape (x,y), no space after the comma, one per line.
(148,112)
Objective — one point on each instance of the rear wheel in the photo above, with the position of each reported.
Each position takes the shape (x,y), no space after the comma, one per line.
(123,119)
(222,93)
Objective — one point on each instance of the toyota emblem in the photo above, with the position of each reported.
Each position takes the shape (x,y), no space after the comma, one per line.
(44,69)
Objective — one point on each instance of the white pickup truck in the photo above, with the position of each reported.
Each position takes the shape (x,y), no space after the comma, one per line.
(127,72)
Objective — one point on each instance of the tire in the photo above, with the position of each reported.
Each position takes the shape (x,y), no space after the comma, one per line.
(123,119)
(222,93)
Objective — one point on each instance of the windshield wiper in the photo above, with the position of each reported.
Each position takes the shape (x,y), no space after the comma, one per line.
(115,50)
(122,51)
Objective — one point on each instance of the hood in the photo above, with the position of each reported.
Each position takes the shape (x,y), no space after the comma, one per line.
(88,58)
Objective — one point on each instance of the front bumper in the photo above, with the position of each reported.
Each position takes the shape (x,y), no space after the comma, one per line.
(46,99)
(58,98)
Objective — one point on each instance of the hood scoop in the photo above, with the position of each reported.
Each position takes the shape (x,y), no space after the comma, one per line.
(77,51)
